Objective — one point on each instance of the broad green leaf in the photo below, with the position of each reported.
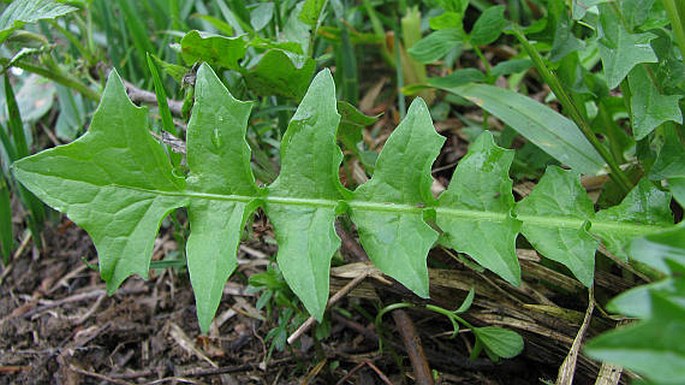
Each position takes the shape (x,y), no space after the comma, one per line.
(560,194)
(580,7)
(448,20)
(620,50)
(661,250)
(115,181)
(511,67)
(310,159)
(645,206)
(311,10)
(637,302)
(21,12)
(670,163)
(219,51)
(648,107)
(479,202)
(436,45)
(499,342)
(281,73)
(488,27)
(261,15)
(564,41)
(398,241)
(219,162)
(653,348)
(552,132)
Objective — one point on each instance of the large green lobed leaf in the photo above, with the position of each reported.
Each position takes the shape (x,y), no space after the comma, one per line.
(117,182)
(398,241)
(21,12)
(310,159)
(478,202)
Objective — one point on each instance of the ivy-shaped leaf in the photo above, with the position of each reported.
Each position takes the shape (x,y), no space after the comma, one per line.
(643,207)
(220,51)
(481,184)
(310,159)
(219,163)
(648,107)
(560,194)
(21,12)
(398,241)
(619,49)
(117,183)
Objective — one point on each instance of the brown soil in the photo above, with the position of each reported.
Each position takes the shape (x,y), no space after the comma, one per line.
(58,326)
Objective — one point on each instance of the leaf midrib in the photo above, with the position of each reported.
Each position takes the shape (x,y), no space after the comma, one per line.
(535,220)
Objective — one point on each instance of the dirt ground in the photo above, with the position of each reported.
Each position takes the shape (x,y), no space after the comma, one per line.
(58,326)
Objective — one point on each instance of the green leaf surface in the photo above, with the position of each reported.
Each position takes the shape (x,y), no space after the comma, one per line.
(620,50)
(481,184)
(436,45)
(115,182)
(6,233)
(661,250)
(310,159)
(645,206)
(311,10)
(648,107)
(489,26)
(279,72)
(398,242)
(552,132)
(499,342)
(560,194)
(219,51)
(21,12)
(219,162)
(651,344)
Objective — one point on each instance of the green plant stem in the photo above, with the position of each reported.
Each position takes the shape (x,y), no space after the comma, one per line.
(62,78)
(674,10)
(617,175)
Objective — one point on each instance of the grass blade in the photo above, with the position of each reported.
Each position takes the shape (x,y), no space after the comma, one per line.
(549,130)
(6,236)
(164,112)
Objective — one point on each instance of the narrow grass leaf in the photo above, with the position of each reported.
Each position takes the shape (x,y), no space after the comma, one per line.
(160,93)
(6,233)
(547,129)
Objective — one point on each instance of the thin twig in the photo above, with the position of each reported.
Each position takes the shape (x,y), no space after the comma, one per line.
(412,342)
(335,298)
(568,367)
(99,376)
